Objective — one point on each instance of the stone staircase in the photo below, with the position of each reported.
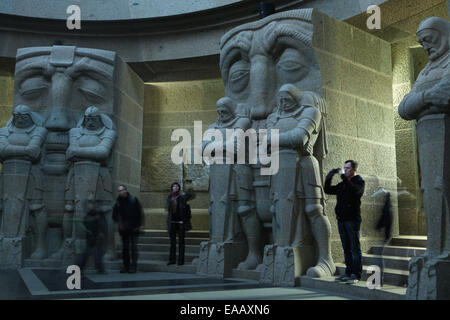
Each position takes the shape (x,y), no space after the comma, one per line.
(153,248)
(394,258)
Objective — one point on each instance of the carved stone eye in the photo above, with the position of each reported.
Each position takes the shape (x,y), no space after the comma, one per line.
(239,75)
(34,93)
(33,88)
(91,95)
(292,66)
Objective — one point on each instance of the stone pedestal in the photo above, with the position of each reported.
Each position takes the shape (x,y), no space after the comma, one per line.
(13,251)
(428,278)
(283,266)
(218,259)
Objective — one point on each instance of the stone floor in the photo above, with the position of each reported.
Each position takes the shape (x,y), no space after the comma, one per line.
(50,283)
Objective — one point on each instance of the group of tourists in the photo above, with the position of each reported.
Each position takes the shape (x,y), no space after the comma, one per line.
(129,216)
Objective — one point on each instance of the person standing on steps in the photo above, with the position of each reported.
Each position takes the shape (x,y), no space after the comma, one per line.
(348,213)
(128,213)
(178,220)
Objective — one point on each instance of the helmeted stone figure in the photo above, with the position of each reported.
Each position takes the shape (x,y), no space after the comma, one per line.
(256,60)
(232,204)
(21,183)
(90,147)
(429,104)
(297,187)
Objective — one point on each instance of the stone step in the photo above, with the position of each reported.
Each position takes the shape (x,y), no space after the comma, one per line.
(203,234)
(390,262)
(409,241)
(152,266)
(399,251)
(163,256)
(245,274)
(166,240)
(391,276)
(162,241)
(386,292)
(195,249)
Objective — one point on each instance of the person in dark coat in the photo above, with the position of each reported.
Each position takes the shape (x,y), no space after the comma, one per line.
(95,226)
(128,213)
(348,213)
(178,220)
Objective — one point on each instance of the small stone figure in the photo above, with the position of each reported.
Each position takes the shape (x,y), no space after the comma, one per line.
(20,151)
(299,119)
(429,104)
(90,177)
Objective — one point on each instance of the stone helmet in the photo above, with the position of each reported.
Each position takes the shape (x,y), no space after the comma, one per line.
(440,25)
(93,111)
(23,109)
(227,103)
(292,90)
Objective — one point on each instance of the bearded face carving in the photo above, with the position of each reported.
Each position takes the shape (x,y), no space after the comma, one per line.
(256,59)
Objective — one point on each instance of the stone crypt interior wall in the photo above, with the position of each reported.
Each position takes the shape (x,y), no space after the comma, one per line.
(128,116)
(357,85)
(169,106)
(6,89)
(399,22)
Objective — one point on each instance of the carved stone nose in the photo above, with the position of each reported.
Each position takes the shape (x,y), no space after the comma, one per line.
(58,120)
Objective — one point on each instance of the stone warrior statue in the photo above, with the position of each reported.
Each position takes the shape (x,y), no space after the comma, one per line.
(20,151)
(297,187)
(232,202)
(90,145)
(429,104)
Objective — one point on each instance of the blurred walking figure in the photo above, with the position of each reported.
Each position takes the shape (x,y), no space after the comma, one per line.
(178,220)
(348,213)
(385,221)
(127,212)
(95,226)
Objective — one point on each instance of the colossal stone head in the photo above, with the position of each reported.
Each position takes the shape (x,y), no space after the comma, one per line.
(433,35)
(257,58)
(59,83)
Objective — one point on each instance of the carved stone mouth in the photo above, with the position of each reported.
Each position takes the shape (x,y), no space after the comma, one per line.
(57,141)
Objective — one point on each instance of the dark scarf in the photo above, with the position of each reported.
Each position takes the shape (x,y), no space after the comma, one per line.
(174,195)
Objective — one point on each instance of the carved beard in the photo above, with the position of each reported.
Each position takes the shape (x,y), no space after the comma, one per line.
(439,52)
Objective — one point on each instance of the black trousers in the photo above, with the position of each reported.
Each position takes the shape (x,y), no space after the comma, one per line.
(97,251)
(129,239)
(349,232)
(175,229)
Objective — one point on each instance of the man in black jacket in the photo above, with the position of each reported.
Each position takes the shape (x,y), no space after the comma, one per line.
(127,212)
(348,213)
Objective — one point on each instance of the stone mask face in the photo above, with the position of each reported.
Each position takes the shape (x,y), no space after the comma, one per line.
(432,41)
(22,120)
(286,102)
(93,123)
(257,58)
(59,82)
